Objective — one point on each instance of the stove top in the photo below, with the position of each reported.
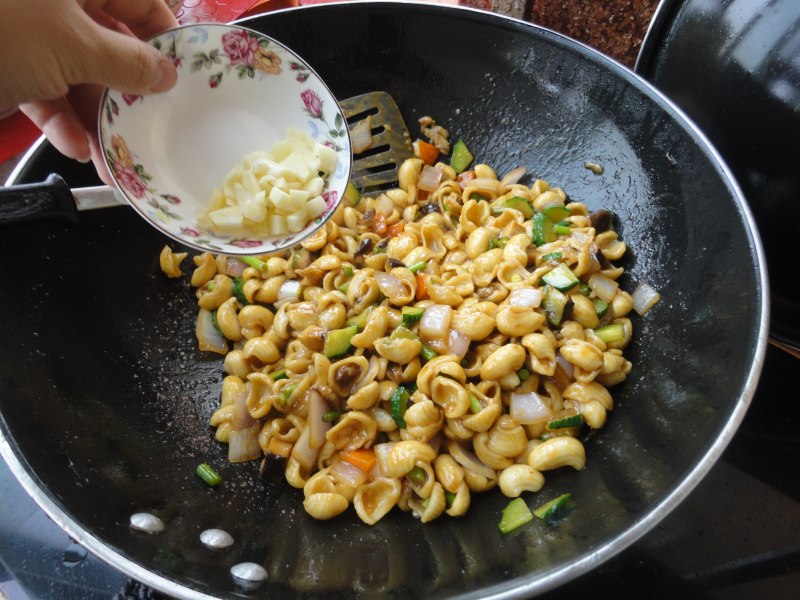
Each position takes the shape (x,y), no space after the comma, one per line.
(736,536)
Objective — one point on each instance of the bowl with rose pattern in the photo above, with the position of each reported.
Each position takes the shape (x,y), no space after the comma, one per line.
(213,162)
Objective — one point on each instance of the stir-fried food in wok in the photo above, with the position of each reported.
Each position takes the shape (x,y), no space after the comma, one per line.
(453,335)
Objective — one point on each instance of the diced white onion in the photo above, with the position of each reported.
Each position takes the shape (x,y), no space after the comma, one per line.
(390,286)
(581,237)
(382,455)
(208,338)
(289,290)
(303,453)
(565,365)
(361,135)
(468,460)
(483,183)
(384,205)
(513,177)
(234,267)
(241,414)
(435,322)
(529,408)
(429,178)
(317,407)
(604,287)
(243,444)
(459,344)
(348,473)
(644,298)
(528,297)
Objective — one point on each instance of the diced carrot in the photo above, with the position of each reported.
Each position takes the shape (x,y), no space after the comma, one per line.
(279,447)
(361,458)
(379,225)
(465,176)
(422,286)
(395,229)
(427,152)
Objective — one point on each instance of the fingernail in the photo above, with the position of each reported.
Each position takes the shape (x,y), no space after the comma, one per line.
(84,161)
(167,76)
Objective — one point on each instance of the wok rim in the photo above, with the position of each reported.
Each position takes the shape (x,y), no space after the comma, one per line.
(524,586)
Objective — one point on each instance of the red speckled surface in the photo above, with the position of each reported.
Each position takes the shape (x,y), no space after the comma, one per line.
(615,27)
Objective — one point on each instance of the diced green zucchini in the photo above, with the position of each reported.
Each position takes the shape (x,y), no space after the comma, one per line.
(600,307)
(475,405)
(584,289)
(351,194)
(566,422)
(556,212)
(562,278)
(543,231)
(520,204)
(554,508)
(411,314)
(404,333)
(554,303)
(560,229)
(238,291)
(477,197)
(337,342)
(497,242)
(515,514)
(359,320)
(553,256)
(523,374)
(215,323)
(461,157)
(278,375)
(613,332)
(428,353)
(399,403)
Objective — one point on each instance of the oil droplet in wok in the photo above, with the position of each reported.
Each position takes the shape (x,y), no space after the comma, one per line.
(248,575)
(74,555)
(216,539)
(146,522)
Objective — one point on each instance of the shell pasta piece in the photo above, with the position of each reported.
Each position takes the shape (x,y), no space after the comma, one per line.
(424,345)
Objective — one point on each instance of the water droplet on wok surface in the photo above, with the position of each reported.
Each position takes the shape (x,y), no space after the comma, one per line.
(216,539)
(146,522)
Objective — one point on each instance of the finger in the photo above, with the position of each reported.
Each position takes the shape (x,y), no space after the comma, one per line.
(85,100)
(145,18)
(61,125)
(123,63)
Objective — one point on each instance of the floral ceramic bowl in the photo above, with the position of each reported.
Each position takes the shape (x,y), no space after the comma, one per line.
(238,91)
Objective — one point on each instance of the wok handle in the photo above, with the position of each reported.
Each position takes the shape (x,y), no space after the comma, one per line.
(31,202)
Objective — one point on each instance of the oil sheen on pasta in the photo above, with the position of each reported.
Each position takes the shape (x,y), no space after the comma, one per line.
(422,347)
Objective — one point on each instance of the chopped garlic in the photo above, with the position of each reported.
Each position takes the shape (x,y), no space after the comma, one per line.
(273,192)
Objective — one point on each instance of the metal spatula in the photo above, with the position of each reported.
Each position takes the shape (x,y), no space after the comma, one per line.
(377,168)
(374,169)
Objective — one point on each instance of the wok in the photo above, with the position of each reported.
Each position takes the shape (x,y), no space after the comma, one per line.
(105,399)
(750,112)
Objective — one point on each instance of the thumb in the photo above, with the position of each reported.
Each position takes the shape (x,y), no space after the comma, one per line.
(127,64)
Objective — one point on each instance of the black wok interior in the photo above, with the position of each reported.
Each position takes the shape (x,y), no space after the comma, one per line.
(105,399)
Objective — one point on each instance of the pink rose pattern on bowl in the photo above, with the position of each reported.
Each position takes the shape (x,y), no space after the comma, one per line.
(242,54)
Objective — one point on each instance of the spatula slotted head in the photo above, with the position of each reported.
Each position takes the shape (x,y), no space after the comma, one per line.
(377,168)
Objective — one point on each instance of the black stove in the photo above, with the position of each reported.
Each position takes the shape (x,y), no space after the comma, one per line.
(736,536)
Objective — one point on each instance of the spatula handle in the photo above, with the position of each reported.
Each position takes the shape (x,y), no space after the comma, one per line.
(31,202)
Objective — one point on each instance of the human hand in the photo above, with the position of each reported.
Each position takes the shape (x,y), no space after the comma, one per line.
(58,55)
